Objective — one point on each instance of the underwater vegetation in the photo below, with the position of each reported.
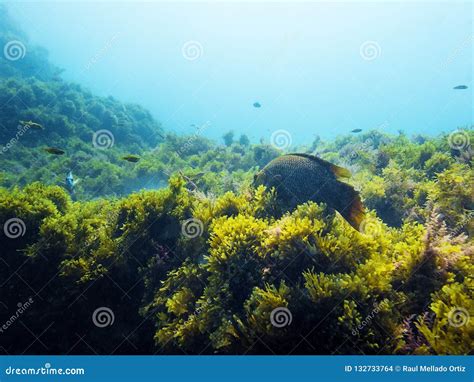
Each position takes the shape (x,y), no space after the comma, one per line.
(158,243)
(185,272)
(205,272)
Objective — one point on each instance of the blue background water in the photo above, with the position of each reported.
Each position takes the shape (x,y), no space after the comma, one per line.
(301,61)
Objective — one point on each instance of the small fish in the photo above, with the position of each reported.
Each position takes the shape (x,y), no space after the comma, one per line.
(257,105)
(131,158)
(32,125)
(54,150)
(299,178)
(71,182)
(191,180)
(356,131)
(460,87)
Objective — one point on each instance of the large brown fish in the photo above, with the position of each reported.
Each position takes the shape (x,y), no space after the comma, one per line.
(298,178)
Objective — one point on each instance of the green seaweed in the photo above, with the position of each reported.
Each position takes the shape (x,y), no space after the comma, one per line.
(191,258)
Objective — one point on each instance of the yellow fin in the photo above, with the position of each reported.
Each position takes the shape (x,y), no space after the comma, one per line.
(353,211)
(356,213)
(340,172)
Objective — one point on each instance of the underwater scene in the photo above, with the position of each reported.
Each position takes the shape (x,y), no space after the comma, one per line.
(236,178)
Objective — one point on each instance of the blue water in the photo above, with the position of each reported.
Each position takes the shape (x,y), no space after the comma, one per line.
(305,63)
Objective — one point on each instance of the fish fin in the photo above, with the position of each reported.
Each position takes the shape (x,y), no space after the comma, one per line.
(339,172)
(354,212)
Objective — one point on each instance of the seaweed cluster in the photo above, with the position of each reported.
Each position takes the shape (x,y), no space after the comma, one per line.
(182,272)
(199,261)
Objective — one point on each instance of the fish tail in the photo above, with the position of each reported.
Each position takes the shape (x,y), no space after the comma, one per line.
(354,210)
